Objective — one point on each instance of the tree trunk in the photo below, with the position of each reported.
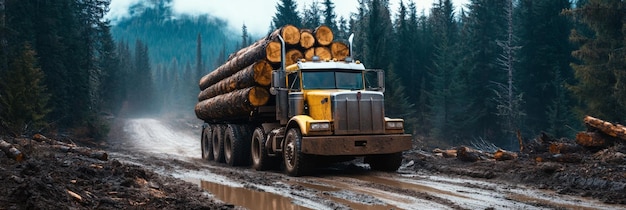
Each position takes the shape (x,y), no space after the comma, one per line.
(614,130)
(504,155)
(259,73)
(590,139)
(235,104)
(247,56)
(339,50)
(293,56)
(11,151)
(307,40)
(323,35)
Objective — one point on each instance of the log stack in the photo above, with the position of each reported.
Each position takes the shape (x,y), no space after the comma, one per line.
(241,84)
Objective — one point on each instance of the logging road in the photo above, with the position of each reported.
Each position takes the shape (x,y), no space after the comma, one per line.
(174,149)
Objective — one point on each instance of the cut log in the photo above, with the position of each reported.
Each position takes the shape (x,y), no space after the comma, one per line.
(614,130)
(590,139)
(235,104)
(501,155)
(322,52)
(323,35)
(307,40)
(247,56)
(11,151)
(449,153)
(288,32)
(272,52)
(339,50)
(257,74)
(564,148)
(470,155)
(293,56)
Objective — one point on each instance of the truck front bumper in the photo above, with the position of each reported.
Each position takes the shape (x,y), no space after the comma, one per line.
(356,145)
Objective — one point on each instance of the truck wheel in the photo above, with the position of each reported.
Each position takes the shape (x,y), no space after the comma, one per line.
(206,143)
(235,149)
(217,142)
(260,160)
(295,161)
(385,162)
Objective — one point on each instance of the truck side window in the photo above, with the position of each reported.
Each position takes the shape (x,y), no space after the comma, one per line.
(293,81)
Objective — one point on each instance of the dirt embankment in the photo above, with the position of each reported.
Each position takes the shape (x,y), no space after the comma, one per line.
(50,176)
(598,174)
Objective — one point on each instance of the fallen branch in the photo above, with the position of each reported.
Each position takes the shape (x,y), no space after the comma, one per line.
(501,155)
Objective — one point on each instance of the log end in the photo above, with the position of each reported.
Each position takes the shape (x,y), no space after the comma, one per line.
(324,35)
(293,56)
(290,34)
(323,53)
(263,73)
(339,50)
(272,52)
(307,40)
(258,96)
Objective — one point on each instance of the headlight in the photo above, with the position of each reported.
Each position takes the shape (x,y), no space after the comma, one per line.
(320,126)
(395,125)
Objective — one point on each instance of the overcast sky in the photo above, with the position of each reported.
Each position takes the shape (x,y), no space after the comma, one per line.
(256,14)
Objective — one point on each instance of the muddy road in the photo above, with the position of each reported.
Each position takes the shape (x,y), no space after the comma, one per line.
(173,148)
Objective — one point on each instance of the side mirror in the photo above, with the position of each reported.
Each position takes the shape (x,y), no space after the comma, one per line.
(375,80)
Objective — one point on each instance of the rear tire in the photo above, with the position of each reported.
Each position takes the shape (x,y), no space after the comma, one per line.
(217,141)
(385,162)
(236,151)
(206,142)
(261,161)
(295,161)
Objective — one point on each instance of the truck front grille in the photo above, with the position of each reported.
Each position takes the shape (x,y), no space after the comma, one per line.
(358,115)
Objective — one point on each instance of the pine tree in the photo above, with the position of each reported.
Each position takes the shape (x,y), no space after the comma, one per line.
(199,70)
(330,18)
(601,86)
(312,16)
(286,13)
(543,33)
(23,99)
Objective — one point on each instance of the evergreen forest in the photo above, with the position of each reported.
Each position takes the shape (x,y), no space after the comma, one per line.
(486,71)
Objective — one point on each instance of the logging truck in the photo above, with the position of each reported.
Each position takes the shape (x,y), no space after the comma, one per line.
(313,111)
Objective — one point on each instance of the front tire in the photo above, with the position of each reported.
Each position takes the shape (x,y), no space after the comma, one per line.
(295,161)
(385,162)
(206,142)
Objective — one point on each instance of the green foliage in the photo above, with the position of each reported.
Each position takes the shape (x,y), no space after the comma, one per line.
(601,86)
(286,13)
(330,18)
(311,17)
(23,97)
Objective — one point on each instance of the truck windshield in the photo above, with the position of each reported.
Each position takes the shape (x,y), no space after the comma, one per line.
(332,80)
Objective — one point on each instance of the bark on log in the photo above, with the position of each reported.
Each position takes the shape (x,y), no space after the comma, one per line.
(323,35)
(322,52)
(11,151)
(614,130)
(235,104)
(590,139)
(40,138)
(339,50)
(501,155)
(257,74)
(471,155)
(293,56)
(307,40)
(249,55)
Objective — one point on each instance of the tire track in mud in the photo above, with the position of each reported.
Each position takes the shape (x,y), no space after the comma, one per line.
(167,150)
